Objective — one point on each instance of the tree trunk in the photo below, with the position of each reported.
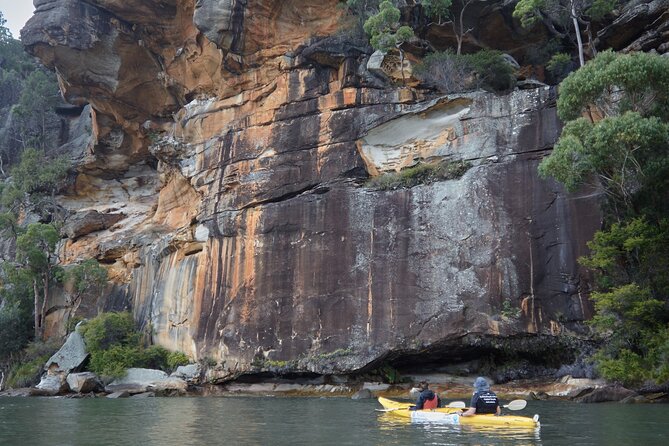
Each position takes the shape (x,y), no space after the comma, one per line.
(37,308)
(45,280)
(577,30)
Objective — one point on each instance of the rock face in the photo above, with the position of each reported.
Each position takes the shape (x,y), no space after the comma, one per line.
(142,380)
(235,137)
(50,385)
(642,25)
(70,357)
(84,382)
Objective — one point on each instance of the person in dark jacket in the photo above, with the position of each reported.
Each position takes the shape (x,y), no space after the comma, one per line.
(427,399)
(483,400)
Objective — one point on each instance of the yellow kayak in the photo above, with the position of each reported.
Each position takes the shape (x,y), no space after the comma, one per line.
(449,415)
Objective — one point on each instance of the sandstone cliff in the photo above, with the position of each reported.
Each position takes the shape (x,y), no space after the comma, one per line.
(223,185)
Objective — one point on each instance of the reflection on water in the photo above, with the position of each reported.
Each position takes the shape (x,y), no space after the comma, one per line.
(445,434)
(305,421)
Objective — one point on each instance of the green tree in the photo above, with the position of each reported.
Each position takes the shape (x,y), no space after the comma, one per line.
(384,28)
(38,178)
(35,110)
(612,84)
(385,31)
(26,101)
(5,34)
(622,152)
(36,254)
(440,10)
(617,132)
(15,329)
(626,147)
(559,15)
(85,278)
(115,345)
(16,321)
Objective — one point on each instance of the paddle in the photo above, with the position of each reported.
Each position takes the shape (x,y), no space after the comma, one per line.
(516,405)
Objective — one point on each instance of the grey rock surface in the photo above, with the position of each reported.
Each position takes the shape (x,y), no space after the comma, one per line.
(138,380)
(70,357)
(50,385)
(190,373)
(84,382)
(607,393)
(362,394)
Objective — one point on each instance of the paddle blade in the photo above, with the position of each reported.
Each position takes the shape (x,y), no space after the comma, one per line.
(516,405)
(457,404)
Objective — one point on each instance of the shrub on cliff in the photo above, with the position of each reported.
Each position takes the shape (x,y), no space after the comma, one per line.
(453,73)
(419,174)
(115,345)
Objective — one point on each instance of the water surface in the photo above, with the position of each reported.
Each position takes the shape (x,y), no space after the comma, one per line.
(305,421)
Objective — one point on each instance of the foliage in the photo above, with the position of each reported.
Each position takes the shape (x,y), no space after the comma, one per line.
(560,15)
(28,95)
(420,174)
(390,374)
(560,65)
(493,71)
(35,109)
(35,248)
(528,12)
(114,361)
(115,345)
(5,34)
(15,328)
(612,84)
(39,178)
(8,224)
(176,359)
(631,368)
(631,252)
(438,10)
(26,374)
(86,277)
(453,73)
(37,174)
(384,29)
(27,370)
(622,151)
(449,72)
(16,308)
(109,329)
(624,145)
(508,310)
(34,270)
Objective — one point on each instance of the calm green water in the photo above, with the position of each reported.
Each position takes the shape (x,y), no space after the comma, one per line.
(304,421)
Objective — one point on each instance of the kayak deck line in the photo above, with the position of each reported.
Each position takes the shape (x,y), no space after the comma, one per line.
(451,415)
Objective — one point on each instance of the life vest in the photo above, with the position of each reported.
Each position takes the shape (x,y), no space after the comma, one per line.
(486,402)
(431,404)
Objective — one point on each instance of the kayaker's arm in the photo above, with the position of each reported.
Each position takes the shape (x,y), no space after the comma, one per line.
(469,412)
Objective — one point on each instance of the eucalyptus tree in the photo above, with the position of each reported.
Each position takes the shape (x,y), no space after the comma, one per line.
(616,110)
(559,15)
(440,11)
